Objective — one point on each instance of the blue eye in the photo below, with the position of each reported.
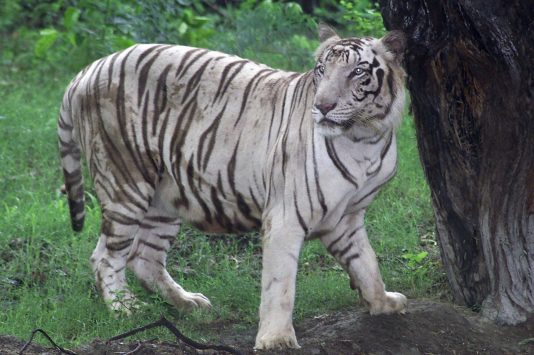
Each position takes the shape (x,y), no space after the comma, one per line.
(356,72)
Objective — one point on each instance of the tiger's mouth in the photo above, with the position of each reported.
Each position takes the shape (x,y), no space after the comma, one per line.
(325,122)
(330,123)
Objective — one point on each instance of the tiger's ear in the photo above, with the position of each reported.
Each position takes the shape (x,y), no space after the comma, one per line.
(326,32)
(395,43)
(327,36)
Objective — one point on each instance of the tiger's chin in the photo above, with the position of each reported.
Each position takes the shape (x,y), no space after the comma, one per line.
(329,128)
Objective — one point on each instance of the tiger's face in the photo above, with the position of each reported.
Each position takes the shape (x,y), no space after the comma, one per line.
(359,83)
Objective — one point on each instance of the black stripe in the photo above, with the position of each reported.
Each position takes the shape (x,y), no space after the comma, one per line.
(220,185)
(116,246)
(163,132)
(194,190)
(144,54)
(245,210)
(177,142)
(273,110)
(184,59)
(338,164)
(194,80)
(220,90)
(263,77)
(212,131)
(246,93)
(152,245)
(231,167)
(63,124)
(143,74)
(386,180)
(344,251)
(320,195)
(182,70)
(383,153)
(351,257)
(162,219)
(110,68)
(118,217)
(294,97)
(254,200)
(299,216)
(160,97)
(306,179)
(221,217)
(330,246)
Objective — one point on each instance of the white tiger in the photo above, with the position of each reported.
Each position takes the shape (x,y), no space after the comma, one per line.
(175,134)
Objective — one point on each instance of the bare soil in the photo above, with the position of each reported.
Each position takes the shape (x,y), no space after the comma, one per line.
(429,327)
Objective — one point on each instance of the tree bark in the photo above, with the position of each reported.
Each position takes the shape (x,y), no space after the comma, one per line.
(470,66)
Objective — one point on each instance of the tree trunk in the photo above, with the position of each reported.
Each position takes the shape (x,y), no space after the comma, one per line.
(470,66)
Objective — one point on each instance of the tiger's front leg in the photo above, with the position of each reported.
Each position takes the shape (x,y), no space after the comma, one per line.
(349,244)
(281,248)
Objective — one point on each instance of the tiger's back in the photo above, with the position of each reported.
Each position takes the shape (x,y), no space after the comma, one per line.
(175,117)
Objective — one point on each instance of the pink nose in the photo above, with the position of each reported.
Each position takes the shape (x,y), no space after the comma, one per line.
(325,108)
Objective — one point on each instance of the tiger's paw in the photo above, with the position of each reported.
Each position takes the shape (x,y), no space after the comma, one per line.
(277,340)
(189,300)
(394,302)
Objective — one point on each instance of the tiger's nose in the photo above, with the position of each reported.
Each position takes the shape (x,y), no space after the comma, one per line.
(325,108)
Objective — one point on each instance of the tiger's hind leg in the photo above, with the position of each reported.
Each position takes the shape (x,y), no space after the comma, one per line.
(147,258)
(125,200)
(109,260)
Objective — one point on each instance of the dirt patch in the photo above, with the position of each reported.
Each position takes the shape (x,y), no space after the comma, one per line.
(429,327)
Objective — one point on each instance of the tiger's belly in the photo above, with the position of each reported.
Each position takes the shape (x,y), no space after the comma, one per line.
(208,208)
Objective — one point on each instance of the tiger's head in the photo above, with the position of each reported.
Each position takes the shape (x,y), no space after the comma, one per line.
(359,83)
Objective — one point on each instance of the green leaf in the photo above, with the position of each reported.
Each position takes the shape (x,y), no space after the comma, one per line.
(415,258)
(47,40)
(421,256)
(72,38)
(182,28)
(70,18)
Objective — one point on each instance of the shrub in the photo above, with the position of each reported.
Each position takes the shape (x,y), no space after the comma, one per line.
(277,34)
(69,34)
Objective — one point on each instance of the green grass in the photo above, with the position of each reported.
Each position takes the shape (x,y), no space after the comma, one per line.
(46,281)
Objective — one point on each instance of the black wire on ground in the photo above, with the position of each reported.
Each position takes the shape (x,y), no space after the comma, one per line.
(35,331)
(162,322)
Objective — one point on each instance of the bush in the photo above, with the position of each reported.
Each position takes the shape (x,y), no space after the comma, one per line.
(69,34)
(277,34)
(354,17)
(362,18)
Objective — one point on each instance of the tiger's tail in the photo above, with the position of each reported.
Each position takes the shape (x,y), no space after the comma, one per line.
(70,154)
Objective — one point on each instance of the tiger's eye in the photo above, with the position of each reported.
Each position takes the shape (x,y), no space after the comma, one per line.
(358,71)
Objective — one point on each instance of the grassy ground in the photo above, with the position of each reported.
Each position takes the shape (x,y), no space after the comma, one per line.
(46,281)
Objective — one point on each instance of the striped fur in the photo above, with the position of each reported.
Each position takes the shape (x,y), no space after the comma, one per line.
(174,134)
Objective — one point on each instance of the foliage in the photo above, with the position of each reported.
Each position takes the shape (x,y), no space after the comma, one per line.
(355,17)
(274,33)
(362,18)
(69,34)
(65,35)
(415,260)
